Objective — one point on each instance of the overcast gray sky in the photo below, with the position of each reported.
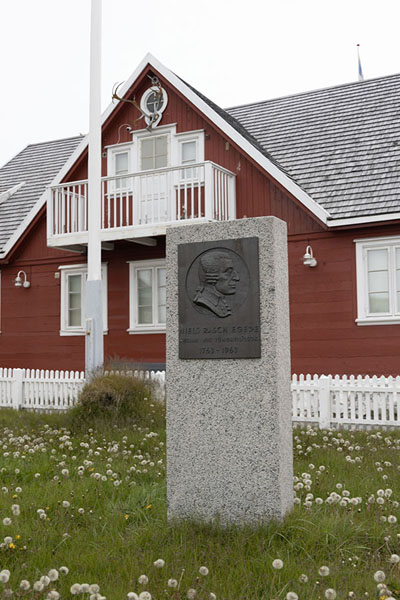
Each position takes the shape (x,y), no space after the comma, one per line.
(232,51)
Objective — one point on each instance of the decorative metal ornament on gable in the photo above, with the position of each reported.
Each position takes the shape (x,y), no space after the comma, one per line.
(152,104)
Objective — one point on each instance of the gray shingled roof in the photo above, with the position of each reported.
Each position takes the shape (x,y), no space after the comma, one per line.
(341,145)
(37,165)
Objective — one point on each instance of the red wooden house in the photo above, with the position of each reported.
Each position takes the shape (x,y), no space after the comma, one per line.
(327,162)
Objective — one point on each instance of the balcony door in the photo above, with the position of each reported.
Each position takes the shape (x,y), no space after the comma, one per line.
(153,190)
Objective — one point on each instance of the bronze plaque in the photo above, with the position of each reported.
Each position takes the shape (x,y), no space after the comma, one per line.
(219,299)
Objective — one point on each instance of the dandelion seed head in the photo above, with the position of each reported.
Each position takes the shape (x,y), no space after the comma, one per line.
(277,563)
(132,596)
(324,571)
(330,594)
(53,574)
(172,583)
(4,576)
(75,589)
(38,586)
(303,578)
(379,576)
(203,571)
(191,594)
(394,559)
(143,579)
(292,596)
(145,596)
(24,585)
(159,563)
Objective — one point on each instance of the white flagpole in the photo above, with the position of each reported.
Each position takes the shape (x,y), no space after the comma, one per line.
(94,351)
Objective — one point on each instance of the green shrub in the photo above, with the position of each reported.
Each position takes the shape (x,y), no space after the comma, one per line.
(118,398)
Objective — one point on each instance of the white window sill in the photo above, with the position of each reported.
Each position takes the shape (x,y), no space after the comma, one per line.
(146,330)
(80,332)
(379,321)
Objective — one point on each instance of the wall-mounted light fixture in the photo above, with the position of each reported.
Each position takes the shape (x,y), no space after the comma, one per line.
(308,258)
(18,280)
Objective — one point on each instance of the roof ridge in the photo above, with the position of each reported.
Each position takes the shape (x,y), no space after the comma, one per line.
(314,91)
(71,137)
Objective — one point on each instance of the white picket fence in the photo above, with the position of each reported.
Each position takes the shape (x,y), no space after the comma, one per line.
(51,390)
(325,401)
(332,401)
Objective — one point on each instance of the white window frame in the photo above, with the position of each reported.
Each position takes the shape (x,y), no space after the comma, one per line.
(112,151)
(174,146)
(143,104)
(81,269)
(364,317)
(134,326)
(190,136)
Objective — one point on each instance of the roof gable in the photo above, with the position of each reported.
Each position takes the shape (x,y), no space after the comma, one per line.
(36,166)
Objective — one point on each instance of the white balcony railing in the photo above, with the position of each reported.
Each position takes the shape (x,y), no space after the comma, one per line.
(144,203)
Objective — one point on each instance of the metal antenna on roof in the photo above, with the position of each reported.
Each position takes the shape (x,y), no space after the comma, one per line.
(360,71)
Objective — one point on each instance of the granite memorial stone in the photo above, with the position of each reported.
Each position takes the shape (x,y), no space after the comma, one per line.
(229,429)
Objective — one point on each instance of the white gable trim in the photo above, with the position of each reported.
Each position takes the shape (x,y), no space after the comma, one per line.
(364,220)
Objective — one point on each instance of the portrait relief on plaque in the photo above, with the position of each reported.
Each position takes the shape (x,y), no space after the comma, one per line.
(219,299)
(218,282)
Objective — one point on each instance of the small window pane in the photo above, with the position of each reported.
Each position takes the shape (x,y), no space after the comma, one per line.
(397,258)
(188,152)
(145,296)
(147,148)
(378,281)
(74,283)
(162,277)
(145,315)
(379,303)
(161,145)
(160,162)
(154,102)
(147,163)
(144,277)
(74,301)
(377,260)
(121,163)
(162,314)
(74,318)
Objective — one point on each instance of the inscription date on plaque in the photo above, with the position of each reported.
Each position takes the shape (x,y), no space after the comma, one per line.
(219,299)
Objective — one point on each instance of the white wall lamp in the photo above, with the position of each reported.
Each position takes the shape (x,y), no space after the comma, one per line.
(308,258)
(18,280)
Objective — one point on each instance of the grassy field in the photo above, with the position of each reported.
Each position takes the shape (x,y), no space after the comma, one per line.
(93,502)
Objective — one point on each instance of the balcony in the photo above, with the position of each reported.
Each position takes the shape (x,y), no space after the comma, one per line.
(139,205)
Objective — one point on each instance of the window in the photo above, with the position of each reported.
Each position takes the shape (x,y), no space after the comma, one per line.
(153,152)
(121,168)
(153,103)
(188,157)
(147,297)
(73,279)
(378,281)
(119,162)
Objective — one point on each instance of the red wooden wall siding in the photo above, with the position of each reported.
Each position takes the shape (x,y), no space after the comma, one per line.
(324,335)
